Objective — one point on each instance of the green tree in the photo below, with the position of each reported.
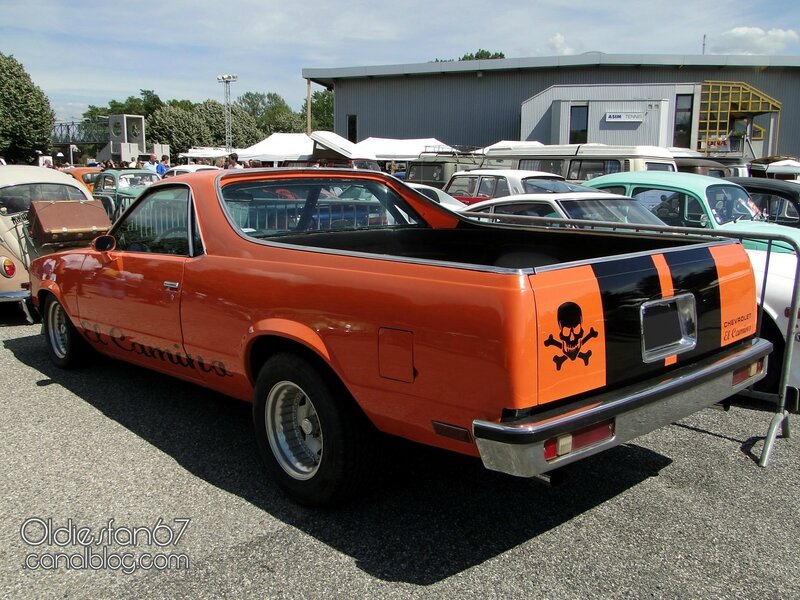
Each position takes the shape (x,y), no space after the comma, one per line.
(184,104)
(178,127)
(321,110)
(278,116)
(288,122)
(146,104)
(26,117)
(253,103)
(483,55)
(244,129)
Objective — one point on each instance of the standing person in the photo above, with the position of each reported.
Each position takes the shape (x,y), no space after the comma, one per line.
(163,165)
(152,164)
(233,161)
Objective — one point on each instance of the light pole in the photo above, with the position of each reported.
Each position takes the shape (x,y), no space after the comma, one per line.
(227,80)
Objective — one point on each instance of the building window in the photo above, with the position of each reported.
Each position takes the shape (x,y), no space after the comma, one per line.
(352,128)
(682,136)
(578,124)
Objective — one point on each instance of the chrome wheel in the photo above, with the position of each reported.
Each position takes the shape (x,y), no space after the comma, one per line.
(58,330)
(293,430)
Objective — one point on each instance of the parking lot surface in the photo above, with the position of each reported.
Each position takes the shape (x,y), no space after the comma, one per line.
(151,488)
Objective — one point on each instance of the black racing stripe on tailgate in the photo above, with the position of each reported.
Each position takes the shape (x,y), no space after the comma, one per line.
(624,286)
(694,270)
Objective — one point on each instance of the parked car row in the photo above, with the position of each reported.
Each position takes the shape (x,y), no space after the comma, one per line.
(748,206)
(755,208)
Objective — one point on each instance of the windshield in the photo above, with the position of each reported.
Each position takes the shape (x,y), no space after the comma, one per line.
(264,209)
(731,203)
(17,198)
(538,185)
(137,179)
(615,210)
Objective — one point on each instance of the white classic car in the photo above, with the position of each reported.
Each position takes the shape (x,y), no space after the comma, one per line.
(19,185)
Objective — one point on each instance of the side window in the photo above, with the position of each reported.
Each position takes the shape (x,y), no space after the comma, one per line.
(615,189)
(158,224)
(584,170)
(486,187)
(502,188)
(462,186)
(694,211)
(550,165)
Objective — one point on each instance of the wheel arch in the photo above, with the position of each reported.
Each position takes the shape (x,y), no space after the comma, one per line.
(295,339)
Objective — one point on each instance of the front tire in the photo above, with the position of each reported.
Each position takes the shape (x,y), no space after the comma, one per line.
(66,348)
(315,442)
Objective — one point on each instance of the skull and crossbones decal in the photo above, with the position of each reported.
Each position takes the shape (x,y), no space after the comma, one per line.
(571,335)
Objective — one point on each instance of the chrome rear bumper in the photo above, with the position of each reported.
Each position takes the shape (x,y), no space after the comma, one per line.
(517,447)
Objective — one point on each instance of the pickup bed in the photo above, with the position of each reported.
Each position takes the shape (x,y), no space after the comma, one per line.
(340,302)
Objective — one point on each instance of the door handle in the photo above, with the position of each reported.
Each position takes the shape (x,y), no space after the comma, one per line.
(172,285)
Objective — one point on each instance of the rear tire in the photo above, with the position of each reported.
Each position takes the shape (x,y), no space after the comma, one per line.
(315,442)
(65,345)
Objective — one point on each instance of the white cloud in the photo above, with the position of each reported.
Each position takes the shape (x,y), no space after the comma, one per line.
(754,40)
(558,44)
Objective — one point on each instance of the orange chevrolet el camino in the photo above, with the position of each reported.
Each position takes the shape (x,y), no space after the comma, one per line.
(343,303)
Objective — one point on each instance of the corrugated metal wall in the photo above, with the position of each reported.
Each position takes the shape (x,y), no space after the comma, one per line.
(480,108)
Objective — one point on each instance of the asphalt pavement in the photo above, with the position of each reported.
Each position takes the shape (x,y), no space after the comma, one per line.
(118,482)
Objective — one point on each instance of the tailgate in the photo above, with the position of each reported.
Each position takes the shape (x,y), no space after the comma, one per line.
(616,321)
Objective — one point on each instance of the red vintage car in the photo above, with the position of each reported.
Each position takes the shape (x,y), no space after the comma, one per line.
(342,301)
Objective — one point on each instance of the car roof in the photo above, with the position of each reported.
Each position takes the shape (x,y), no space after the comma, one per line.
(691,181)
(513,173)
(122,171)
(764,183)
(192,168)
(564,196)
(19,174)
(82,170)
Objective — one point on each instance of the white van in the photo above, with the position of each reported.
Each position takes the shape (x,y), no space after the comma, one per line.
(577,162)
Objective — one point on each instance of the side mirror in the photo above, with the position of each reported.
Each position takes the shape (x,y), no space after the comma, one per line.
(104,243)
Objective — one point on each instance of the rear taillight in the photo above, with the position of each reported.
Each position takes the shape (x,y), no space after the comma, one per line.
(578,440)
(748,372)
(9,268)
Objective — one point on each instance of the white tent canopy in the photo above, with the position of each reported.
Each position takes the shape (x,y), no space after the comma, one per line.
(280,146)
(340,145)
(194,153)
(784,167)
(392,149)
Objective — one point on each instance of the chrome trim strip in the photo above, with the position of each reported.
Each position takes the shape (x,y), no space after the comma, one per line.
(518,448)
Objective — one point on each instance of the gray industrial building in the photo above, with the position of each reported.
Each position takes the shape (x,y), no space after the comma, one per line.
(716,104)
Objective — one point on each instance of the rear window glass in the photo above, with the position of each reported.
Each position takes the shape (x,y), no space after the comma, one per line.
(264,209)
(658,166)
(17,198)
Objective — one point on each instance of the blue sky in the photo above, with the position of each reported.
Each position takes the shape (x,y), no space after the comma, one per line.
(86,52)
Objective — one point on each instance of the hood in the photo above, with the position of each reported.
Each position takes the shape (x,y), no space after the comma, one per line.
(761,228)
